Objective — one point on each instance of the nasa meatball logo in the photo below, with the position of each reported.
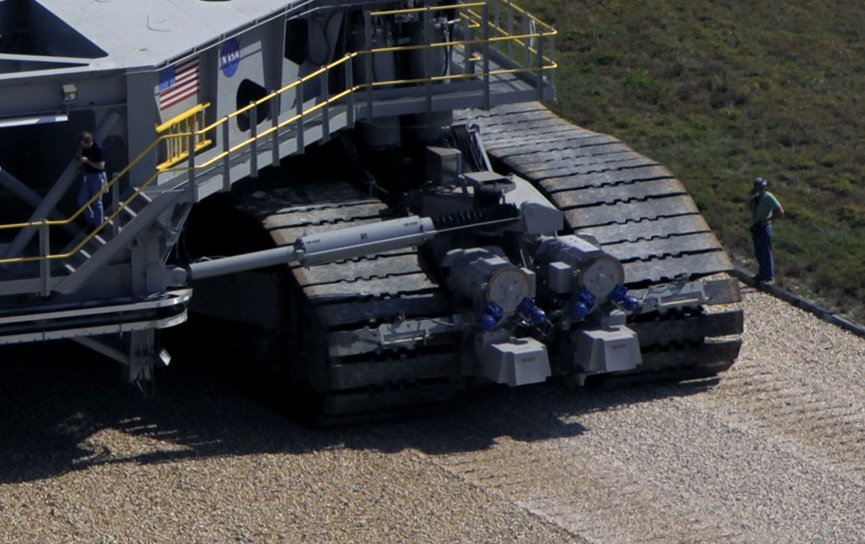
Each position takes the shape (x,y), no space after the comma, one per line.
(229,57)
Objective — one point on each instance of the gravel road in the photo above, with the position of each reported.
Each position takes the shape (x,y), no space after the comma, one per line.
(774,451)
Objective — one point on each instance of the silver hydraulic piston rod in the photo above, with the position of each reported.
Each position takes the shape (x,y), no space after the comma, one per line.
(325,247)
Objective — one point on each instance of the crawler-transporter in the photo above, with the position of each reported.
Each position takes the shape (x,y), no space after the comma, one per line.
(363,202)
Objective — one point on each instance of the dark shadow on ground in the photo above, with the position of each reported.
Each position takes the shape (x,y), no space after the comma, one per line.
(54,397)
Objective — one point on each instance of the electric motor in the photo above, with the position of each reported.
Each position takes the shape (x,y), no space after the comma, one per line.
(485,277)
(571,264)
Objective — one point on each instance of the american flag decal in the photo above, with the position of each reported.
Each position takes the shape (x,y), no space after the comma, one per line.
(177,83)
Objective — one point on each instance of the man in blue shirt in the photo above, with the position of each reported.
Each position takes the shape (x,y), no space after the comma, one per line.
(764,208)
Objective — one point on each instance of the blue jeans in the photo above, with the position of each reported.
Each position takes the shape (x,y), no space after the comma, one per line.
(762,237)
(92,184)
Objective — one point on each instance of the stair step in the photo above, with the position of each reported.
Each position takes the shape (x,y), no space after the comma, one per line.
(92,246)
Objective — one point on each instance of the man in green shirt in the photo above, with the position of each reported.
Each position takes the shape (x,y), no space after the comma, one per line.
(764,208)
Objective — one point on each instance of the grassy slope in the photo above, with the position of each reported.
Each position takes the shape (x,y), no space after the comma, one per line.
(722,92)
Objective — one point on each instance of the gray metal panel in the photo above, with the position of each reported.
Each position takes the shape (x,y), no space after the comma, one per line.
(147,33)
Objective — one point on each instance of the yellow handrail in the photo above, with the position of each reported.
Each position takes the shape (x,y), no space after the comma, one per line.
(188,121)
(178,139)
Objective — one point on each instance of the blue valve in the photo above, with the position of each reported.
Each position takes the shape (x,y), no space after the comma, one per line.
(493,313)
(620,296)
(528,309)
(579,311)
(583,304)
(488,323)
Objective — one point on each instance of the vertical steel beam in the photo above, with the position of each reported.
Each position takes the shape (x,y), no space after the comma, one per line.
(325,112)
(539,74)
(349,86)
(427,57)
(226,159)
(301,145)
(274,125)
(368,76)
(485,36)
(193,190)
(253,134)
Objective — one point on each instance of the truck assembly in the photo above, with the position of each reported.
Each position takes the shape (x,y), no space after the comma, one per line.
(367,199)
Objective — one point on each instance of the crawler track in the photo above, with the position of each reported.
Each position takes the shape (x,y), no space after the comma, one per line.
(639,213)
(335,309)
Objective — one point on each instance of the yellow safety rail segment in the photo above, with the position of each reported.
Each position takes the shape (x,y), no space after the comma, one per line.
(177,149)
(177,133)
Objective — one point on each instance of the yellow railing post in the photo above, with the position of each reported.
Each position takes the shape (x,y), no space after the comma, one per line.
(485,37)
(226,160)
(349,86)
(177,145)
(274,127)
(301,137)
(253,137)
(193,190)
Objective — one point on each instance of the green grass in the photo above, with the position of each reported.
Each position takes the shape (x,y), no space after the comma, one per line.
(722,92)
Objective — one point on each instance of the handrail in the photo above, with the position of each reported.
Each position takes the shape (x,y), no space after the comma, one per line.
(542,64)
(187,121)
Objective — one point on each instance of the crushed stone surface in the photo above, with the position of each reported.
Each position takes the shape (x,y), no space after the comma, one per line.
(772,451)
